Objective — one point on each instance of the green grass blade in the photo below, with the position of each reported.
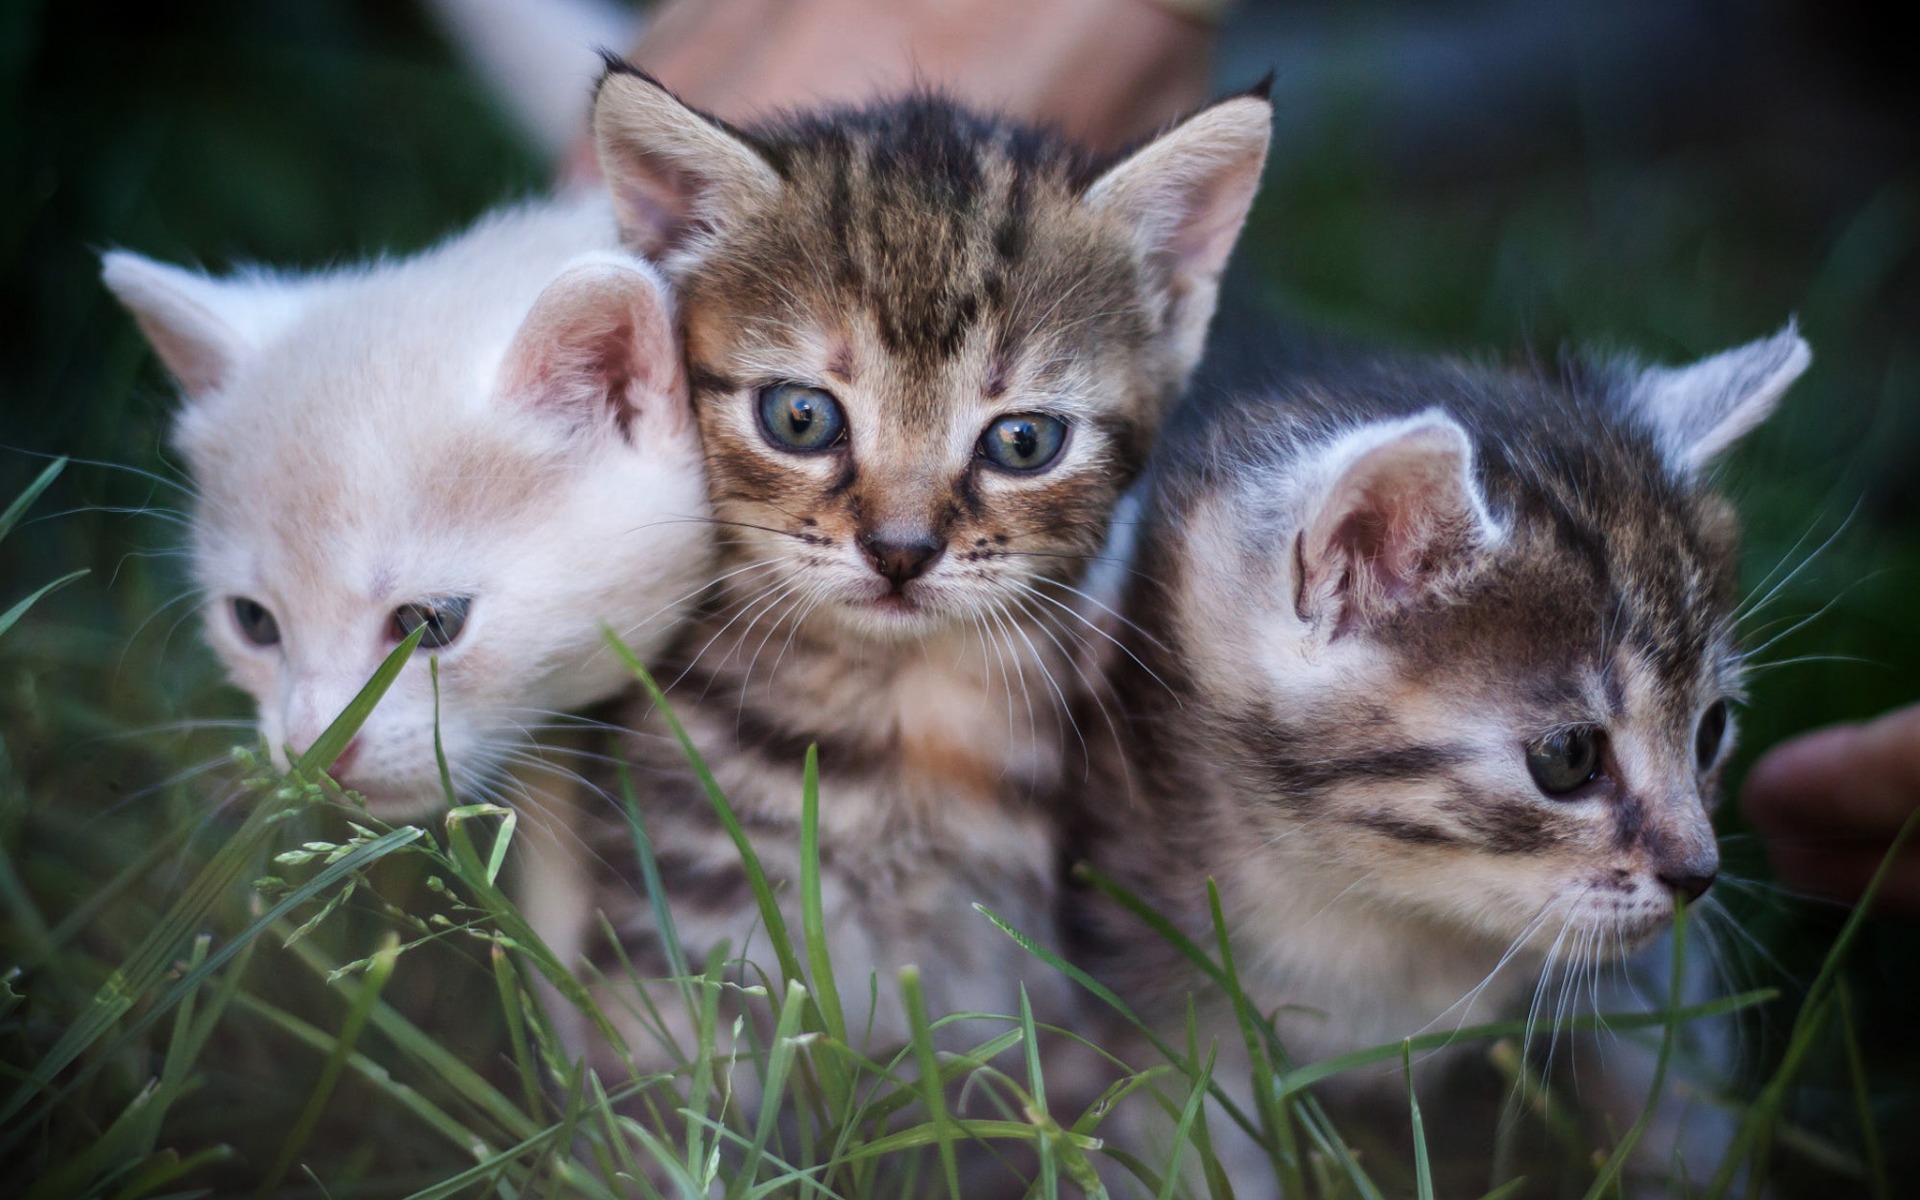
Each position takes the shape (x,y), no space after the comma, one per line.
(1422,1164)
(439,746)
(650,875)
(774,1083)
(506,983)
(1106,996)
(19,610)
(166,1166)
(1037,1089)
(1313,1072)
(179,1054)
(1183,1129)
(33,492)
(931,1134)
(1811,1018)
(1618,1158)
(375,1075)
(1277,1122)
(334,739)
(459,1077)
(1862,1102)
(358,1010)
(813,924)
(150,960)
(931,1090)
(771,918)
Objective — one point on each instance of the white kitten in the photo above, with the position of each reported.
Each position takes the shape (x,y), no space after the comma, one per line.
(492,437)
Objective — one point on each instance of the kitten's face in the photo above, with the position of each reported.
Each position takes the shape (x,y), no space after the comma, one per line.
(1533,760)
(318,558)
(1485,677)
(897,493)
(927,351)
(513,486)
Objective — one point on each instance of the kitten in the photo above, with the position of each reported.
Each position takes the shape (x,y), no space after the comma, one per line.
(1429,668)
(491,439)
(928,349)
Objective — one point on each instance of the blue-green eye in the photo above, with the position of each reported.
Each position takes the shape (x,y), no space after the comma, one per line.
(1023,441)
(801,419)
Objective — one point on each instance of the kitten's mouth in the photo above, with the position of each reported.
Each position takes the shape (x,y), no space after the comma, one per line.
(894,602)
(893,613)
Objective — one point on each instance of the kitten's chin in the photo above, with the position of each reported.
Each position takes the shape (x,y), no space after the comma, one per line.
(889,617)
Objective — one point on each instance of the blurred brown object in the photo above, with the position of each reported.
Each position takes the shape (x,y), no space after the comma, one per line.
(1829,803)
(1104,71)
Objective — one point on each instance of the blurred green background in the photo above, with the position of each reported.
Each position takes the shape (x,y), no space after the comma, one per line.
(1672,178)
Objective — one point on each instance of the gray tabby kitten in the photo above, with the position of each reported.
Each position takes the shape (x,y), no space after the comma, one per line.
(928,349)
(1428,666)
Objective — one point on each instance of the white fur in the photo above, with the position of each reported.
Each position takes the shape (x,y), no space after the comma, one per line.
(376,437)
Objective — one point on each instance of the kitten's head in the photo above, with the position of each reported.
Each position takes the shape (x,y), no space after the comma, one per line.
(1467,638)
(928,348)
(492,439)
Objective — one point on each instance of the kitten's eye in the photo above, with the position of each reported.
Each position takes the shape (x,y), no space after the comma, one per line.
(256,623)
(1565,760)
(1023,441)
(801,418)
(1712,733)
(444,617)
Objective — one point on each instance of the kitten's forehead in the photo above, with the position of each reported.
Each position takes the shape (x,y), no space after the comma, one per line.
(1610,565)
(1613,570)
(937,230)
(330,481)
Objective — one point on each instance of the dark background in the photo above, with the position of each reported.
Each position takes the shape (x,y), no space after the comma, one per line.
(1493,176)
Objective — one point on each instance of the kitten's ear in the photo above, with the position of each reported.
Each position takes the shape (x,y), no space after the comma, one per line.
(675,174)
(598,350)
(1187,193)
(201,327)
(1700,410)
(1396,516)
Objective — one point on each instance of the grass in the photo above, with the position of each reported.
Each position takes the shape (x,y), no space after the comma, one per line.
(168,1029)
(830,1122)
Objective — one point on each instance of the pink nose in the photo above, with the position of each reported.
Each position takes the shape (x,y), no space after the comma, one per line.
(343,763)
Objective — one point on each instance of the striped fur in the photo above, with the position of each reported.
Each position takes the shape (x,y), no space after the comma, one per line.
(933,270)
(1505,554)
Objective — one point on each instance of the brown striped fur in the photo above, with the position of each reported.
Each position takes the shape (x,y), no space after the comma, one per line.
(932,269)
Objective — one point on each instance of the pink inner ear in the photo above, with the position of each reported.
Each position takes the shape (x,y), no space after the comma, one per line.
(654,200)
(1213,209)
(1381,552)
(597,346)
(1400,518)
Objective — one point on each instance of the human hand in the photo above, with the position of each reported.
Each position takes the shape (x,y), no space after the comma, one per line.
(1828,804)
(1104,71)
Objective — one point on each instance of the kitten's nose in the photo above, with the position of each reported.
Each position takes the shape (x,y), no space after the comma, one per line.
(903,558)
(1691,876)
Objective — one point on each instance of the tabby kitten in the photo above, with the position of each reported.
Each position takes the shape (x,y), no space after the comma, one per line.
(928,349)
(491,439)
(1429,667)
